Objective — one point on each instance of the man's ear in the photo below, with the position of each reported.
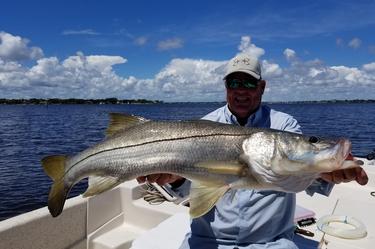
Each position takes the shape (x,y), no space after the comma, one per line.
(262,84)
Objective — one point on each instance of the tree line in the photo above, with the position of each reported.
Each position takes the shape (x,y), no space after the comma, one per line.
(56,101)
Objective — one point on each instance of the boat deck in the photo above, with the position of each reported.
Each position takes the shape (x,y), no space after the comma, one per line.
(349,199)
(121,219)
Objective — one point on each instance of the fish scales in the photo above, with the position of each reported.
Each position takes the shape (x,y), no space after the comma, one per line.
(215,157)
(176,155)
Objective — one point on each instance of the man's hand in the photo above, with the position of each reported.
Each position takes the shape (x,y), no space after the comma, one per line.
(160,179)
(346,175)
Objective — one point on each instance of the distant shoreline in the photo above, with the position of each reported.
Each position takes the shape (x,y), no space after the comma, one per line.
(332,101)
(115,101)
(73,101)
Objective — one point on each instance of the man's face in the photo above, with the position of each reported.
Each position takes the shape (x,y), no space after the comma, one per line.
(243,101)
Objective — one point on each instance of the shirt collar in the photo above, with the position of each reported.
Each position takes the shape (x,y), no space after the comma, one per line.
(255,119)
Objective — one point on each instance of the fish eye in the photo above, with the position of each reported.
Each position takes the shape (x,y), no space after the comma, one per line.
(313,139)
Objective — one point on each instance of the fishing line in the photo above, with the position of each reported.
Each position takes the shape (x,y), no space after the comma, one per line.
(357,232)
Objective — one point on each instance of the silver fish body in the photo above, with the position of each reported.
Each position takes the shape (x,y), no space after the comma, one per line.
(161,147)
(216,157)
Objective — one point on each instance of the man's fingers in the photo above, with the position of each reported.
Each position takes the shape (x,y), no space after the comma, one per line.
(141,179)
(362,177)
(160,179)
(346,175)
(338,176)
(350,174)
(153,178)
(326,176)
(163,179)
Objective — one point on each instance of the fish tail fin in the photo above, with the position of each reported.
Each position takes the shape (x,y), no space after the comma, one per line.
(54,167)
(203,196)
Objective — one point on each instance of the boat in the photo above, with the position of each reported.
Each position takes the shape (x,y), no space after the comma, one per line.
(121,219)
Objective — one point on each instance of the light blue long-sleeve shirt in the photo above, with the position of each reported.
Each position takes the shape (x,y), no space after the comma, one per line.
(251,219)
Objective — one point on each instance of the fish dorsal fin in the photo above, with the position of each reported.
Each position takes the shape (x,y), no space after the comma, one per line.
(120,121)
(224,167)
(99,184)
(204,196)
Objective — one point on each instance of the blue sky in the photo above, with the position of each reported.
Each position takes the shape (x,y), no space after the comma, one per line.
(177,50)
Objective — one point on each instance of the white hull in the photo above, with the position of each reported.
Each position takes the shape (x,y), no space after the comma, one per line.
(114,219)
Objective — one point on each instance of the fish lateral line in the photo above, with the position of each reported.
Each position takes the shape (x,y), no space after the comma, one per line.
(155,141)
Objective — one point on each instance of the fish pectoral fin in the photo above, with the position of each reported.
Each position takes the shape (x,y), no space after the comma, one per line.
(100,184)
(224,167)
(203,196)
(120,121)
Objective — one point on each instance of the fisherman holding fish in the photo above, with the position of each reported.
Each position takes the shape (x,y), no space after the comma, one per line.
(250,218)
(244,162)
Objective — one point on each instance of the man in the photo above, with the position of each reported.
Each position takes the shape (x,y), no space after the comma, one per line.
(249,218)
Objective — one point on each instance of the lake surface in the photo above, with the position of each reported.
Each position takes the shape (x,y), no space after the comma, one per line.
(30,132)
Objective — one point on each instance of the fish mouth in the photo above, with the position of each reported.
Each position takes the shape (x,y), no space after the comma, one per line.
(345,147)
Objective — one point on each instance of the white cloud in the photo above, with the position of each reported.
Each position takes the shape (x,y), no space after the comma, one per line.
(182,79)
(9,66)
(80,32)
(15,48)
(355,43)
(270,70)
(247,47)
(140,41)
(77,76)
(290,54)
(369,67)
(191,80)
(169,44)
(339,42)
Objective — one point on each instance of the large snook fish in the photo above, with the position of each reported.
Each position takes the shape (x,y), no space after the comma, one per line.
(214,156)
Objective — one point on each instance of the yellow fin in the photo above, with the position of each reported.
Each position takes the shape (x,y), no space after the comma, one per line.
(204,196)
(119,121)
(54,167)
(225,168)
(56,198)
(99,184)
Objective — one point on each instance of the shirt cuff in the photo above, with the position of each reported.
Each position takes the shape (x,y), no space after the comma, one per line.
(183,189)
(320,186)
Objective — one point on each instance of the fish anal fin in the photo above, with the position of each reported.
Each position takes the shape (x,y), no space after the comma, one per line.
(99,184)
(224,167)
(120,121)
(203,197)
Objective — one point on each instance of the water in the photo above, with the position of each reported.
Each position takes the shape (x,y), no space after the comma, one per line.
(30,132)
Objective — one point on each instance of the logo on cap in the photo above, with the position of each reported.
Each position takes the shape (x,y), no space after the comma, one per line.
(245,61)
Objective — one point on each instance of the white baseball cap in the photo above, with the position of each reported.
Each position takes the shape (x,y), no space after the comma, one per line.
(244,63)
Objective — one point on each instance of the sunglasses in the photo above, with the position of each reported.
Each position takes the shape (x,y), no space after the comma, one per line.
(235,83)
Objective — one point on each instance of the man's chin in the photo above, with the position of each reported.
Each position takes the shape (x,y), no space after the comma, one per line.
(243,113)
